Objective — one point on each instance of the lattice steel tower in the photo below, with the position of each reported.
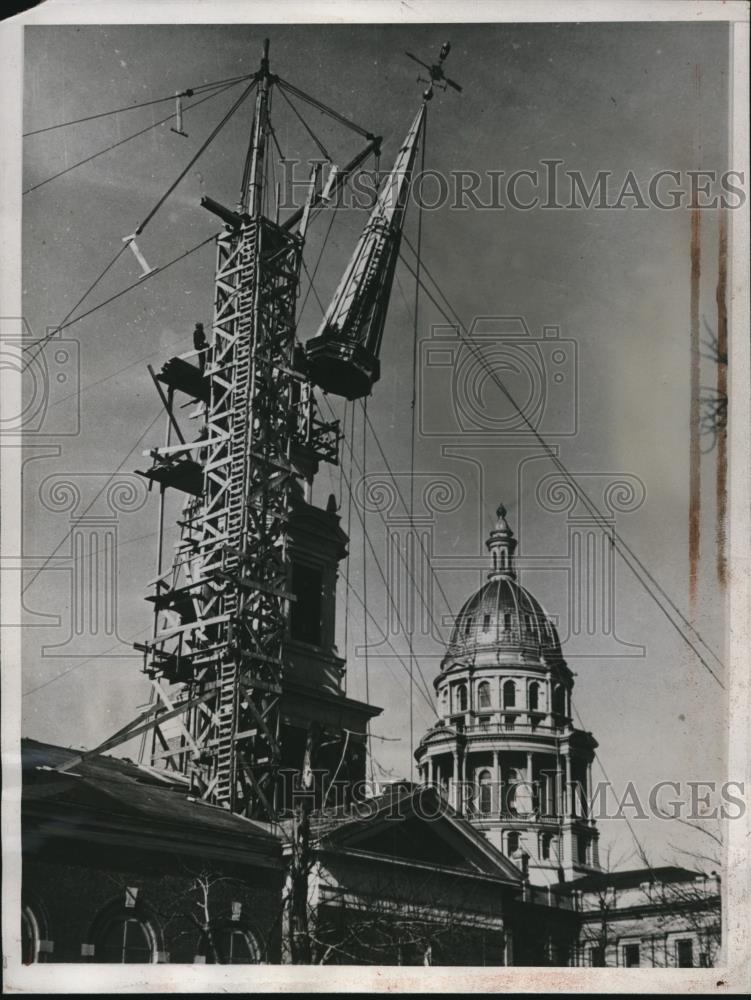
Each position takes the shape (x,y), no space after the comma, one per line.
(218,667)
(247,654)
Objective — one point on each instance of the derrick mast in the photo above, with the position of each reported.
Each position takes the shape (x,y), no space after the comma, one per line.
(217,665)
(247,680)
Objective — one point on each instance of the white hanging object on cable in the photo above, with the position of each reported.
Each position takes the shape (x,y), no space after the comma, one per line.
(131,242)
(178,126)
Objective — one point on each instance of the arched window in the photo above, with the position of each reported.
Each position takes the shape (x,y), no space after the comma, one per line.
(461,698)
(546,846)
(485,792)
(31,936)
(509,694)
(228,944)
(125,938)
(559,700)
(512,842)
(483,695)
(534,696)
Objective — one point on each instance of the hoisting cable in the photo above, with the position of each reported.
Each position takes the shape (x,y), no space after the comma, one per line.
(322,149)
(188,92)
(615,539)
(387,589)
(89,659)
(405,563)
(85,511)
(425,552)
(206,143)
(349,526)
(121,142)
(272,133)
(365,596)
(118,371)
(640,847)
(40,344)
(145,222)
(285,85)
(389,643)
(591,507)
(315,293)
(366,536)
(415,332)
(312,277)
(67,322)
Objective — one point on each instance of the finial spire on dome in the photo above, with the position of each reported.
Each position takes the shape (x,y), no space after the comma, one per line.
(501,544)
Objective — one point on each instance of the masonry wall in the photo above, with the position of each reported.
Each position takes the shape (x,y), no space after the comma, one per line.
(651,927)
(73,899)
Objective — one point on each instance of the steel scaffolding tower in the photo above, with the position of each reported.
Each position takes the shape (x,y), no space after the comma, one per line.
(217,669)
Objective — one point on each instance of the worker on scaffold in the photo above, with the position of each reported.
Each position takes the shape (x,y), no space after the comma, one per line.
(201,345)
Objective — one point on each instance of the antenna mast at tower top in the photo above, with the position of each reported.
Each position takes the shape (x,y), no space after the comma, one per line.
(251,198)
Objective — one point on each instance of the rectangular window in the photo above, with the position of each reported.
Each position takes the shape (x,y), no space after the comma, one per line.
(582,851)
(631,956)
(486,623)
(306,612)
(685,949)
(484,721)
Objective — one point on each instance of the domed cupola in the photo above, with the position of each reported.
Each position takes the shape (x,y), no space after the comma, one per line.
(501,544)
(502,618)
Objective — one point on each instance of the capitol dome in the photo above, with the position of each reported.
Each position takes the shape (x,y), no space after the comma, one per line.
(502,615)
(504,750)
(503,612)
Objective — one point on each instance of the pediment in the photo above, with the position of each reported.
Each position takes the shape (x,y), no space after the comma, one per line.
(418,825)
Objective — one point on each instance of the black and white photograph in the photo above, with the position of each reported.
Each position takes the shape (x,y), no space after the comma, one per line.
(375,512)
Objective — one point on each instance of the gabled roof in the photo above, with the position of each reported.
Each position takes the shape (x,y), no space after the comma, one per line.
(417,825)
(104,799)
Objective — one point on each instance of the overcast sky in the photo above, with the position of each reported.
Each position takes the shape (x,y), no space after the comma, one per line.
(610,97)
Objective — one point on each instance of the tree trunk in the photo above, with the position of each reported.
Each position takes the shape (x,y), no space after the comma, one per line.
(299,931)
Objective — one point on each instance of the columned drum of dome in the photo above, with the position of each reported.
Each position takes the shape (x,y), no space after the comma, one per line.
(505,751)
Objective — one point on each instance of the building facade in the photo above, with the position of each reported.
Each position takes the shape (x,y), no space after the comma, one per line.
(505,750)
(657,918)
(123,865)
